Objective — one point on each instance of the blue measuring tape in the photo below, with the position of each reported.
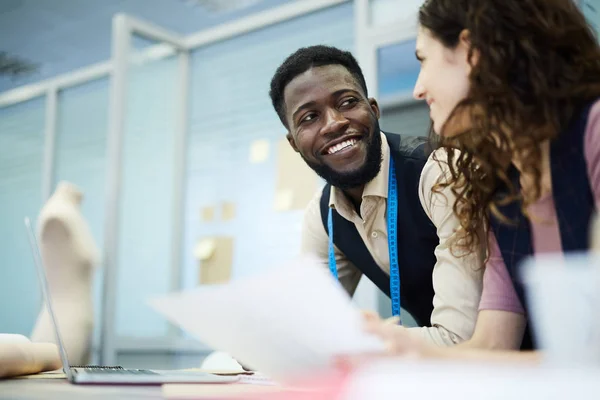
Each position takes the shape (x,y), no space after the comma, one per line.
(392,227)
(332,264)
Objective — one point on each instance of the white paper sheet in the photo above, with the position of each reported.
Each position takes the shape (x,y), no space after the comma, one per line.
(290,320)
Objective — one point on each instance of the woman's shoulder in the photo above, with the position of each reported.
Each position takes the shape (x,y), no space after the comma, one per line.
(438,165)
(434,190)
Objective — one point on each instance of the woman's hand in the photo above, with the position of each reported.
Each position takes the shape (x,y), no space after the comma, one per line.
(398,341)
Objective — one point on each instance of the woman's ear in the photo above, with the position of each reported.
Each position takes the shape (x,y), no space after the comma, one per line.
(464,41)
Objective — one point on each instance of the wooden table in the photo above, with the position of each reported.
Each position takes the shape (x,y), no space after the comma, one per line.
(51,389)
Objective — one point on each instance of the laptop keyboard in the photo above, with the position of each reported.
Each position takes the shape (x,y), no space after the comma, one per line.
(95,369)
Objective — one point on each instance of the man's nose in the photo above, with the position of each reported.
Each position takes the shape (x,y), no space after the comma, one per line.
(335,121)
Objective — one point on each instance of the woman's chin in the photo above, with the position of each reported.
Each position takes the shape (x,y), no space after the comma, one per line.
(437,129)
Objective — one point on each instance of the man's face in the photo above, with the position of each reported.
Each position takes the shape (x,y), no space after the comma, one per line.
(334,126)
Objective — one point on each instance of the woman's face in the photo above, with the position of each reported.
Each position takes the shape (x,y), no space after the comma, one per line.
(444,76)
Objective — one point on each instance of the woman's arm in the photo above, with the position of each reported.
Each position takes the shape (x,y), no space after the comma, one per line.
(457,274)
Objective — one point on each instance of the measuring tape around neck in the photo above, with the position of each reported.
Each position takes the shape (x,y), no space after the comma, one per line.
(392,227)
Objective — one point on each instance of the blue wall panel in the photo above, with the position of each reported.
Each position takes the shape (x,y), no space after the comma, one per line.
(144,258)
(21,160)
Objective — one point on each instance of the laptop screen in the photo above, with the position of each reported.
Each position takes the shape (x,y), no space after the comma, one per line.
(37,259)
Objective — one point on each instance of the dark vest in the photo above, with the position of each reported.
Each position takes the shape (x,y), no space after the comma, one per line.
(573,200)
(417,236)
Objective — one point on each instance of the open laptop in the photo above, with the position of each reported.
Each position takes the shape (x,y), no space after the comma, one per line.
(110,375)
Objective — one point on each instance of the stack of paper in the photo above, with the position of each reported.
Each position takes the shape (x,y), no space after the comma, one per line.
(286,322)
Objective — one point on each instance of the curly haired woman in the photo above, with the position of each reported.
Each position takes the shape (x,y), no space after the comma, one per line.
(514,85)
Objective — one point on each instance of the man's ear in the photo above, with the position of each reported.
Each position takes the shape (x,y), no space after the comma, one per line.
(292,142)
(374,107)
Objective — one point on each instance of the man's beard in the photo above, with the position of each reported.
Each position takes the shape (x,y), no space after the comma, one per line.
(359,177)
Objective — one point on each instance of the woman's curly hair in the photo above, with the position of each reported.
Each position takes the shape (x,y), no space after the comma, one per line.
(534,64)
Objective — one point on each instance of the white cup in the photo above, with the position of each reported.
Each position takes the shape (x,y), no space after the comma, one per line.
(563,293)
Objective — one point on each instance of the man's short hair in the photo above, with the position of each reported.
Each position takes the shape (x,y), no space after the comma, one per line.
(304,59)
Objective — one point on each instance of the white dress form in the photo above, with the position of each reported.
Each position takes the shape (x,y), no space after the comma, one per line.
(69,254)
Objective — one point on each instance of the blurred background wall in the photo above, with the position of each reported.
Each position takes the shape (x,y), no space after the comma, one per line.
(196,173)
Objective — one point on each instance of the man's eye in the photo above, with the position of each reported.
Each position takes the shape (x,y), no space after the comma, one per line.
(348,102)
(308,118)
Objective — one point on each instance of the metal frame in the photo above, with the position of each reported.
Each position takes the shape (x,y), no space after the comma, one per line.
(50,125)
(124,27)
(121,46)
(370,38)
(179,173)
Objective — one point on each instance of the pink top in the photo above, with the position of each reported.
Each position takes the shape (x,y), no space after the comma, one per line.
(498,290)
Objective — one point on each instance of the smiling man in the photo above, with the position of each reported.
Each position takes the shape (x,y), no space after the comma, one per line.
(378,201)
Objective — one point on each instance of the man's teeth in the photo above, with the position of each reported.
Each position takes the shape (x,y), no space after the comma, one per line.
(341,146)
